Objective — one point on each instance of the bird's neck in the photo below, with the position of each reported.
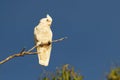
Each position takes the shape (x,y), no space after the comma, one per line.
(44,27)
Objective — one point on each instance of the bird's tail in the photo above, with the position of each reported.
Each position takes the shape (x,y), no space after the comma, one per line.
(44,55)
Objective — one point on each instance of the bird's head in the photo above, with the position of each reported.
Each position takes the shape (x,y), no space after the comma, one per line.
(47,20)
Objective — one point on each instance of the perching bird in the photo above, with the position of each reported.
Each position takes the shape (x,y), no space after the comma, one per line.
(43,34)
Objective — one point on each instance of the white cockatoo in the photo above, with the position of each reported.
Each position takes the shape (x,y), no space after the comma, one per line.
(43,34)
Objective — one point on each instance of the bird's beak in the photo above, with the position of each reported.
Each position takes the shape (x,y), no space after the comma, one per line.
(49,24)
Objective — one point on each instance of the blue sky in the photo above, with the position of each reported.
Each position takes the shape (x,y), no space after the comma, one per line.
(92,28)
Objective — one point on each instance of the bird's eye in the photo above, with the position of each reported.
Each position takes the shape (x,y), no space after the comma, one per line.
(48,20)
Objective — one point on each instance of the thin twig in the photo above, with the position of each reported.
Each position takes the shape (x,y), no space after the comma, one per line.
(29,52)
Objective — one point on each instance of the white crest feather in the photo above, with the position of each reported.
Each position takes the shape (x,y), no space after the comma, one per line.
(48,16)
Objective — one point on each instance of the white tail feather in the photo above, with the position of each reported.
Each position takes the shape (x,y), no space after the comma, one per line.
(44,55)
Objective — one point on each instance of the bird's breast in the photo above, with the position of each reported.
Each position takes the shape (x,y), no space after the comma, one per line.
(45,35)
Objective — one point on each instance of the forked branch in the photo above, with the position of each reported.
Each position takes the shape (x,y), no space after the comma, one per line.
(28,52)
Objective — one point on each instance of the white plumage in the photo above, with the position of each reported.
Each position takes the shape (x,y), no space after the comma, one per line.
(43,34)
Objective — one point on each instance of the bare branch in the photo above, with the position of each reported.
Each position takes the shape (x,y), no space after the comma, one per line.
(29,52)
